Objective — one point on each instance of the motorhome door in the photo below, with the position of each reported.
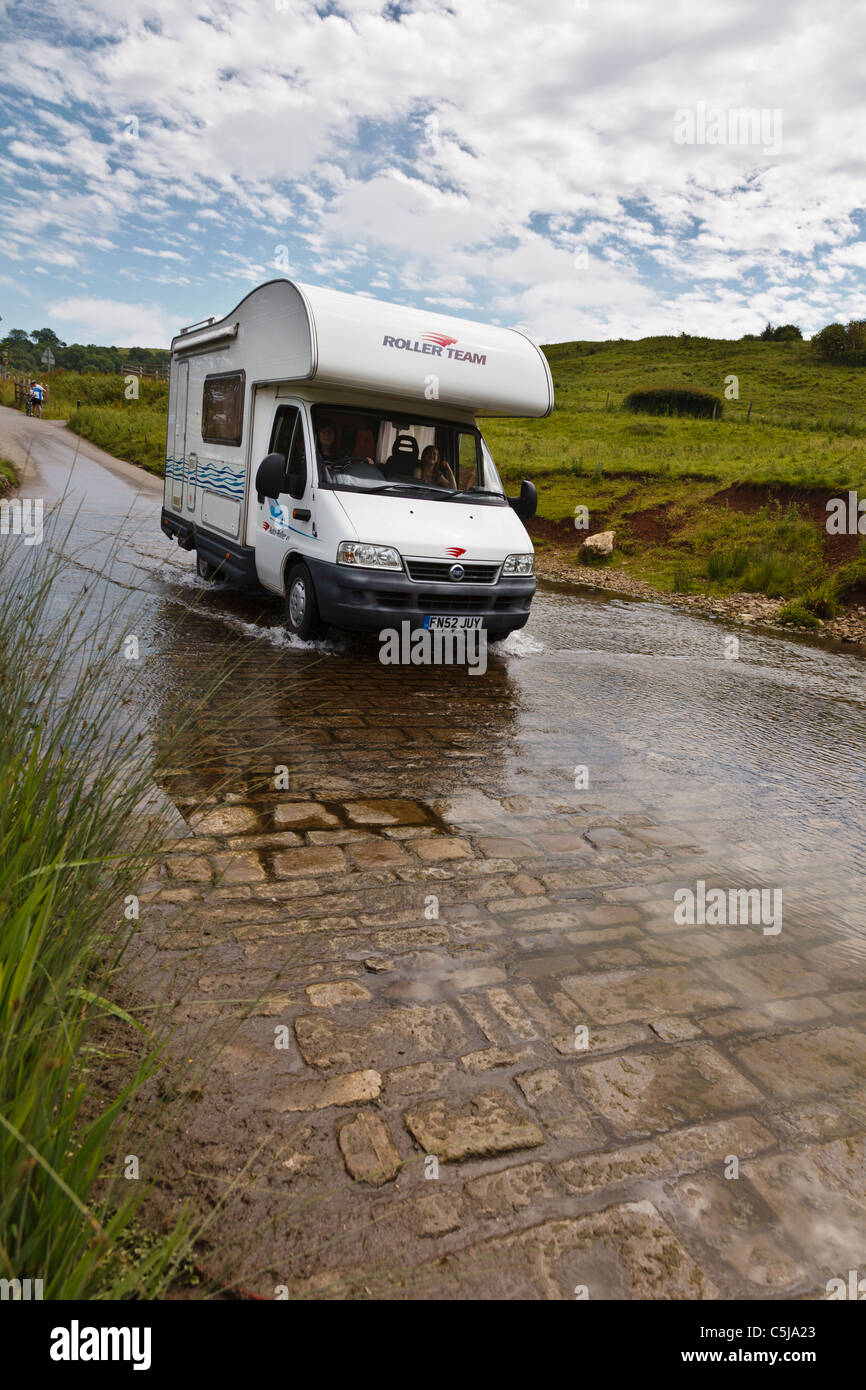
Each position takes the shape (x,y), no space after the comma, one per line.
(287,522)
(178,442)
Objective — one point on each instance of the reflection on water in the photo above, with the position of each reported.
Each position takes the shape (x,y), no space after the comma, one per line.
(759,759)
(762,757)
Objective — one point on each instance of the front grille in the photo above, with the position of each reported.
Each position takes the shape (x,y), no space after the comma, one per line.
(438,571)
(384,598)
(452,603)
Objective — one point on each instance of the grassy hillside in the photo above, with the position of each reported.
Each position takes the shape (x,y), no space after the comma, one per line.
(797,433)
(737,503)
(732,504)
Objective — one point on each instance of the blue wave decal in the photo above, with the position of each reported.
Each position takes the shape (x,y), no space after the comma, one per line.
(217,477)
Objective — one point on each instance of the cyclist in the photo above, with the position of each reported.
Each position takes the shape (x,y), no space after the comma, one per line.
(37,396)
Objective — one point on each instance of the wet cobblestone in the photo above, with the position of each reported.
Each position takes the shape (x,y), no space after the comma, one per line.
(493,980)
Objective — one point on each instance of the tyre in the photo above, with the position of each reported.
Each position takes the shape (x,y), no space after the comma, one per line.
(206,570)
(302,609)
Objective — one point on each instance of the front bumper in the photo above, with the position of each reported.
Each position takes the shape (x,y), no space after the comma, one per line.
(374,599)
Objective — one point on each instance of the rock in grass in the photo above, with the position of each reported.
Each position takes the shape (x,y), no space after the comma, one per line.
(601,543)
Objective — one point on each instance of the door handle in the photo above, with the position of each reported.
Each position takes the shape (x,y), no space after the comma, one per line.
(301,513)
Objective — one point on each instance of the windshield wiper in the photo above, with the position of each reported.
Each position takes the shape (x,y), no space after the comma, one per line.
(476,492)
(408,487)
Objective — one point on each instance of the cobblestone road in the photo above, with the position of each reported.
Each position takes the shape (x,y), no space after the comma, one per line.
(466,1050)
(430,945)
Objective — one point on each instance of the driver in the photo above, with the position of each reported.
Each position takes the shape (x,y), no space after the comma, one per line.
(326,446)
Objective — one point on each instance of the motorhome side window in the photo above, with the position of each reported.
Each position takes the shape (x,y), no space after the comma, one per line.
(222,408)
(287,438)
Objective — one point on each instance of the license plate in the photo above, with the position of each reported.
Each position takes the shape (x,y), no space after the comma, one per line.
(451,620)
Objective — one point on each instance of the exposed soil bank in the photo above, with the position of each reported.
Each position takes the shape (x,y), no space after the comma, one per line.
(658,526)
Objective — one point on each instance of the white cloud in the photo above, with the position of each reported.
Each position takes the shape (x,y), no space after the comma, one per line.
(163,255)
(110,321)
(460,155)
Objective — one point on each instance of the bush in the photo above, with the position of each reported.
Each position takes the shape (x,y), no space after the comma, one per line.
(727,564)
(675,400)
(784,333)
(842,343)
(133,431)
(23,352)
(798,614)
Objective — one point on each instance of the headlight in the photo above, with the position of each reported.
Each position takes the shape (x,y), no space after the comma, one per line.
(369,557)
(519,564)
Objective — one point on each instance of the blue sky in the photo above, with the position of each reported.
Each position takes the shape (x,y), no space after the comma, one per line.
(506,162)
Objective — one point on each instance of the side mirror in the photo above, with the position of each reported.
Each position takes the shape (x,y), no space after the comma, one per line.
(526,505)
(271,477)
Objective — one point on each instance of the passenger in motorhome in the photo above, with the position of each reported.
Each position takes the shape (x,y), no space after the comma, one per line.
(434,469)
(364,446)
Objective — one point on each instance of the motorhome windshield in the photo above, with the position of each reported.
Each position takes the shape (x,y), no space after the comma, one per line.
(371,451)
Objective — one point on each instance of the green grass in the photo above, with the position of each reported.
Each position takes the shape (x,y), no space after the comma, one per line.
(134,432)
(796,434)
(798,614)
(8,476)
(73,844)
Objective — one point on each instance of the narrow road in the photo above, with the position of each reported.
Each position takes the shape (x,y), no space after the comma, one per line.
(458,933)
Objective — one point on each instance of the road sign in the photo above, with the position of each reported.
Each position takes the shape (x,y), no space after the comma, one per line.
(47,359)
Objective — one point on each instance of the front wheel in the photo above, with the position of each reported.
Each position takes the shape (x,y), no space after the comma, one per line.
(302,609)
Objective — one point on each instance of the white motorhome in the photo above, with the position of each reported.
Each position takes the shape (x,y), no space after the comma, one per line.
(324,446)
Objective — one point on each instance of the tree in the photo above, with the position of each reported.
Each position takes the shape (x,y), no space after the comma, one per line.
(23,355)
(842,343)
(784,333)
(26,349)
(46,337)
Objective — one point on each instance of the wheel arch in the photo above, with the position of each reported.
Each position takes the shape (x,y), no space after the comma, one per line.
(291,558)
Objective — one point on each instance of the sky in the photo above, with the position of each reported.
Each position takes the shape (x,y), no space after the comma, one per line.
(576,168)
